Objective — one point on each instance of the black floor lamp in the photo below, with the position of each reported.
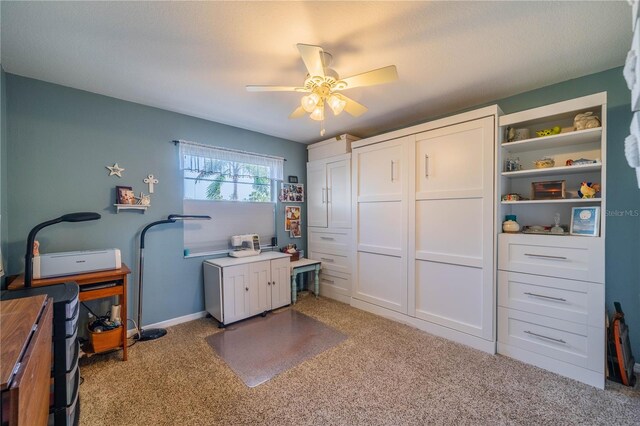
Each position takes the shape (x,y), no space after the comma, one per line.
(155,333)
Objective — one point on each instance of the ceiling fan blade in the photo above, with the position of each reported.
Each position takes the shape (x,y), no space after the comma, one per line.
(354,108)
(370,78)
(312,58)
(298,112)
(275,89)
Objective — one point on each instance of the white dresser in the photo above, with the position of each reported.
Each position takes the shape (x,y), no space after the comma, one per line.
(239,288)
(551,288)
(329,214)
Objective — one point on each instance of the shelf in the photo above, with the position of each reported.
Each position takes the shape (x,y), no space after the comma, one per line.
(560,201)
(550,171)
(138,207)
(554,141)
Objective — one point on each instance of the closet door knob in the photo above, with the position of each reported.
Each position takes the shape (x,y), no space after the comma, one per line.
(246,288)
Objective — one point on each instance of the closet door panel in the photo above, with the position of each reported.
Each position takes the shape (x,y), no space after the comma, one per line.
(316,194)
(450,231)
(450,295)
(379,172)
(381,281)
(339,194)
(380,228)
(452,161)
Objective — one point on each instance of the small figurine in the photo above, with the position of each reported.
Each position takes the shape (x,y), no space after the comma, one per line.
(557,229)
(586,120)
(588,190)
(548,132)
(143,200)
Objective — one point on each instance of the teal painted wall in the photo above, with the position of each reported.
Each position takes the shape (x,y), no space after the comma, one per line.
(59,142)
(4,217)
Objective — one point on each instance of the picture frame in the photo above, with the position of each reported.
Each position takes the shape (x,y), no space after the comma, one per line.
(295,231)
(291,213)
(292,192)
(585,221)
(125,195)
(293,179)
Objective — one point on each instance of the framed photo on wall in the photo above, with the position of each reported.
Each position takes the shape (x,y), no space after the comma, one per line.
(292,192)
(291,213)
(294,229)
(125,195)
(585,221)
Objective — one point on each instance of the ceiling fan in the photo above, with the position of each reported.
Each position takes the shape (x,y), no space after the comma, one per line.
(323,86)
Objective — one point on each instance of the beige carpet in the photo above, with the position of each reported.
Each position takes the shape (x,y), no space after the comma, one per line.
(384,373)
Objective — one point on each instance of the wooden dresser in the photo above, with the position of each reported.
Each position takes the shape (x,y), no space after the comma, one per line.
(25,360)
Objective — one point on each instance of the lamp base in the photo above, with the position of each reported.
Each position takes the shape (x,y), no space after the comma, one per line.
(151,334)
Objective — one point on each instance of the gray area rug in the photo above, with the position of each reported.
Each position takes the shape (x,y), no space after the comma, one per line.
(261,348)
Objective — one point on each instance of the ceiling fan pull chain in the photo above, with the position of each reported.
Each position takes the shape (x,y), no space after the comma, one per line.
(322,128)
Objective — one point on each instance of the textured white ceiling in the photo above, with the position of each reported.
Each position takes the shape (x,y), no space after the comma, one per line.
(196,58)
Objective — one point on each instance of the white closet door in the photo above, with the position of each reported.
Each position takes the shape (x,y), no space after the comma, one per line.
(317,194)
(235,293)
(380,171)
(380,183)
(454,277)
(259,290)
(280,282)
(339,193)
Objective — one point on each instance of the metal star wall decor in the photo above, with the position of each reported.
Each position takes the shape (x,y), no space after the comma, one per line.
(115,170)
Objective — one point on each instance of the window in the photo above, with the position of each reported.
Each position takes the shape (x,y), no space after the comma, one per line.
(237,189)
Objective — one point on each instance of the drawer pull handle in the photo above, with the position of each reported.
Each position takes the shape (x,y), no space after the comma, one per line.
(324,280)
(560,299)
(326,238)
(546,256)
(545,337)
(326,259)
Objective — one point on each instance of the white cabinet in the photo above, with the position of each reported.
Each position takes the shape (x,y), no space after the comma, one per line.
(329,193)
(453,210)
(329,214)
(551,290)
(380,214)
(423,208)
(239,288)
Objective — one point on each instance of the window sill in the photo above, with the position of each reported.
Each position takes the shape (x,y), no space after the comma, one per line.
(221,253)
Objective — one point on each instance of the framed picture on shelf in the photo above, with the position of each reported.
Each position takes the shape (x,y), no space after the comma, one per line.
(585,221)
(125,195)
(291,213)
(293,179)
(294,229)
(292,192)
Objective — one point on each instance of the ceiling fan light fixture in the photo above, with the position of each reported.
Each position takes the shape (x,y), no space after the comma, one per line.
(309,102)
(318,112)
(336,103)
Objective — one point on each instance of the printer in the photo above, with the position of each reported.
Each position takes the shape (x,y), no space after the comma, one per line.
(75,262)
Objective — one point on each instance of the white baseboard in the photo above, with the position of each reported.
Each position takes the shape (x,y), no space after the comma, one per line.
(170,322)
(325,292)
(488,346)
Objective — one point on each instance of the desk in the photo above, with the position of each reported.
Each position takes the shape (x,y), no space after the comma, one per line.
(299,267)
(25,360)
(118,276)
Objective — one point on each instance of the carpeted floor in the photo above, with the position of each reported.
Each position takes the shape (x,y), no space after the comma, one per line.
(385,373)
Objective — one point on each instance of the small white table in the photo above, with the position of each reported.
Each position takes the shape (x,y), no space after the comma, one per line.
(301,266)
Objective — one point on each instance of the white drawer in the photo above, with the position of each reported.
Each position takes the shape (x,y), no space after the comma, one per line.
(332,262)
(329,242)
(576,301)
(577,258)
(572,343)
(337,282)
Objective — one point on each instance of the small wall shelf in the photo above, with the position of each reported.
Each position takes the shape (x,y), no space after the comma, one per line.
(578,137)
(559,201)
(550,171)
(138,207)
